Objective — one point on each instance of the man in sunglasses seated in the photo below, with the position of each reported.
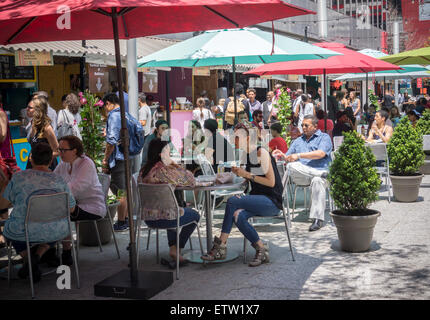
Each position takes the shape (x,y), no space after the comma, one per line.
(309,159)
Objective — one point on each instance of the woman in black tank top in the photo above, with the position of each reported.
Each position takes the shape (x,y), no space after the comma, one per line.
(265,198)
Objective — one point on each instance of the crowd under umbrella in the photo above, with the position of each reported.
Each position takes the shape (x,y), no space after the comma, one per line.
(349,61)
(234,46)
(41,20)
(418,56)
(407,72)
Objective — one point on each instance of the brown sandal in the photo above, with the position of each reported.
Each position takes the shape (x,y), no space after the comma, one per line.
(218,251)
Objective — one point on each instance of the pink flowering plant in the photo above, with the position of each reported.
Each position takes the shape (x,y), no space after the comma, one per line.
(284,112)
(92,127)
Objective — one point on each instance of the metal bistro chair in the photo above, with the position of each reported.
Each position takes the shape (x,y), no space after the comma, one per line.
(45,209)
(162,197)
(105,182)
(379,150)
(286,216)
(337,141)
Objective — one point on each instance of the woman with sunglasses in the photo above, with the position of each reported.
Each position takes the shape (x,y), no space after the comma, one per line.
(80,174)
(265,198)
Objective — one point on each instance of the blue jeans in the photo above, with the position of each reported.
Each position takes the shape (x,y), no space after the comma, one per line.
(189,216)
(252,205)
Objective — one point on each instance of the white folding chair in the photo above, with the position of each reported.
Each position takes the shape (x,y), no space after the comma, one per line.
(162,197)
(337,141)
(379,150)
(46,209)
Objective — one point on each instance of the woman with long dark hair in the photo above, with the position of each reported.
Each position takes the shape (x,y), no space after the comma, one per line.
(160,168)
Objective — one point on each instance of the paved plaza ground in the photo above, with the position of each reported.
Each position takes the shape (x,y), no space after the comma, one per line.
(396,267)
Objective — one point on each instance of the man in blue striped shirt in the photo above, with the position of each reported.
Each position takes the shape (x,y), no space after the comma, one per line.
(309,159)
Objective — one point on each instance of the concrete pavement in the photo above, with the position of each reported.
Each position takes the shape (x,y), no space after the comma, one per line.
(396,266)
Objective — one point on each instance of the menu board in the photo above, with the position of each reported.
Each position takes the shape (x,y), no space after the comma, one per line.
(11,73)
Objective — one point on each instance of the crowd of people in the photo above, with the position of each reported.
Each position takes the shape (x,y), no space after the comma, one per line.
(308,158)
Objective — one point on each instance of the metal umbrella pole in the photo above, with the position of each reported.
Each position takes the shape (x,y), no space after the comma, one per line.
(367,90)
(325,100)
(234,89)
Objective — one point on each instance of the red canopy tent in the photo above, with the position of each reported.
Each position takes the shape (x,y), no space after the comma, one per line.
(350,62)
(52,20)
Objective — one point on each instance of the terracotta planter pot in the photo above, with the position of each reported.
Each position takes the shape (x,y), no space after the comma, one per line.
(355,233)
(87,232)
(406,188)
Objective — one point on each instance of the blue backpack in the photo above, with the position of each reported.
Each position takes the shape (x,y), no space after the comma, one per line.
(136,134)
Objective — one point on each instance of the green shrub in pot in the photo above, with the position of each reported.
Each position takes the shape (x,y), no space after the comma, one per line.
(354,184)
(405,151)
(353,180)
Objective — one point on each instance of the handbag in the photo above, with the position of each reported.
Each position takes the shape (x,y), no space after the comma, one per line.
(65,128)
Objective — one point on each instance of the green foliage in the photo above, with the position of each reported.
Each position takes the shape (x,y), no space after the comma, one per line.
(92,128)
(374,99)
(423,124)
(405,149)
(284,113)
(354,181)
(115,198)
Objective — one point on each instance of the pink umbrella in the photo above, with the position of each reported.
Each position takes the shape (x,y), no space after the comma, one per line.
(349,62)
(52,20)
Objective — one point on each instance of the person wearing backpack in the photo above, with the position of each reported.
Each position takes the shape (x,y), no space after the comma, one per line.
(113,161)
(68,119)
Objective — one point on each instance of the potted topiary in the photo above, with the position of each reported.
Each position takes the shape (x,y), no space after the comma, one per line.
(405,151)
(354,183)
(284,113)
(423,126)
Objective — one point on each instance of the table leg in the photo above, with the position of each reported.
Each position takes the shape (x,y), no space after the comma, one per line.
(208,208)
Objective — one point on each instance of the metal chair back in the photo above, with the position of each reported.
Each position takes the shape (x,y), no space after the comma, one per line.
(105,182)
(158,196)
(205,165)
(379,150)
(426,142)
(337,141)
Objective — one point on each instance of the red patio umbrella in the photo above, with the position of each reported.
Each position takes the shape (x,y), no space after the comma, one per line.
(54,20)
(350,62)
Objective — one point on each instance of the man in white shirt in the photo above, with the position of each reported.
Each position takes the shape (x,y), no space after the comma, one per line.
(144,114)
(267,108)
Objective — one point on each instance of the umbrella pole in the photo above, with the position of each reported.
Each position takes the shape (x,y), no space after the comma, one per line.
(234,89)
(130,284)
(367,90)
(125,141)
(167,99)
(325,100)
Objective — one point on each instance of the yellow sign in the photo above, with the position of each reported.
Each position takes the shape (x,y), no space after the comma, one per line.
(202,71)
(33,58)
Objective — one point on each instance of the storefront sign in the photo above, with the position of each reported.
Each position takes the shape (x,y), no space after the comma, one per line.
(150,81)
(202,71)
(98,78)
(9,72)
(33,58)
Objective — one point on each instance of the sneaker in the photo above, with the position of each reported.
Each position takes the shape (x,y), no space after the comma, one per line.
(66,257)
(121,225)
(261,256)
(218,251)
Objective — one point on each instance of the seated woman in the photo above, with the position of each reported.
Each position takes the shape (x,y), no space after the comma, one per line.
(22,185)
(413,116)
(265,199)
(161,169)
(80,174)
(380,131)
(395,116)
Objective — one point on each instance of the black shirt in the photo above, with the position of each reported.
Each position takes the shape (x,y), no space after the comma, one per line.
(275,193)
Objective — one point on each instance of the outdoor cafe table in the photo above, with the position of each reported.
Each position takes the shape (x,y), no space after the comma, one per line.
(236,184)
